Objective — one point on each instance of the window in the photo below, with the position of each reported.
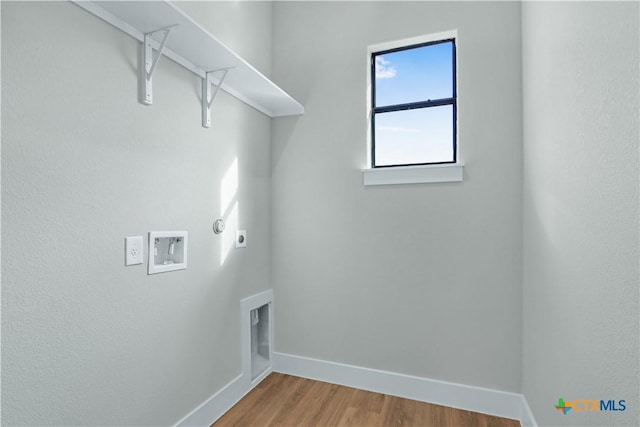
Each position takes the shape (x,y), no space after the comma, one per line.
(413,105)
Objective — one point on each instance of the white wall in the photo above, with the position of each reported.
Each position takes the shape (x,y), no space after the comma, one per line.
(422,279)
(243,26)
(581,208)
(86,340)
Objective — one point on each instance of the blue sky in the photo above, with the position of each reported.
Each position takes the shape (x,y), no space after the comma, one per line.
(415,136)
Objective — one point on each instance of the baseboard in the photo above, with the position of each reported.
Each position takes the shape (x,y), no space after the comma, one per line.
(526,419)
(216,406)
(477,399)
(223,400)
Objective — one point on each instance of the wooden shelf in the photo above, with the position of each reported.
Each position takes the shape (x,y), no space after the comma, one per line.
(193,47)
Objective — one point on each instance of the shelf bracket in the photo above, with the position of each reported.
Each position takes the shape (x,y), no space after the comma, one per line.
(209,94)
(149,62)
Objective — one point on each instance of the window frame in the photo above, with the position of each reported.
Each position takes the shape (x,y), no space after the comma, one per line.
(402,45)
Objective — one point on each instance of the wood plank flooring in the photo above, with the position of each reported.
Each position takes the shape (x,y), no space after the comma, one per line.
(285,400)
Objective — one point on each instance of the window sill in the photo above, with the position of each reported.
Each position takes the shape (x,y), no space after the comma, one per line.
(452,172)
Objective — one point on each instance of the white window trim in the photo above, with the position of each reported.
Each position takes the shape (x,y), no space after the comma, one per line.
(421,174)
(418,174)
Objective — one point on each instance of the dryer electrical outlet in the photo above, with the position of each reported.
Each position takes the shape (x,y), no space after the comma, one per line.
(241,238)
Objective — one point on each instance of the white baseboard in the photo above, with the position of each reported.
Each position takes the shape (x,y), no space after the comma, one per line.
(476,399)
(526,419)
(223,400)
(215,406)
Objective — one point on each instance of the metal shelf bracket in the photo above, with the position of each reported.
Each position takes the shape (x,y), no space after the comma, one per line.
(149,63)
(192,47)
(209,94)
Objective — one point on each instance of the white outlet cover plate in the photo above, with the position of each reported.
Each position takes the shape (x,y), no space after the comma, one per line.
(133,250)
(241,238)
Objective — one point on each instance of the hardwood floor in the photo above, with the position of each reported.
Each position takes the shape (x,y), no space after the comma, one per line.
(284,400)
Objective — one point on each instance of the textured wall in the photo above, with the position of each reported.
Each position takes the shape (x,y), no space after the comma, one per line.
(86,340)
(418,279)
(581,208)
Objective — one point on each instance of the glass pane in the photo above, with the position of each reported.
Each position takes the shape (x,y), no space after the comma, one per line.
(411,75)
(423,135)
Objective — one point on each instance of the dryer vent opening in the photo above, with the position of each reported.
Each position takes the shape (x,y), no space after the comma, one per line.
(260,341)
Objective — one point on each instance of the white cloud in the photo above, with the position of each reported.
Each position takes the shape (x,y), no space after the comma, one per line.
(384,69)
(398,129)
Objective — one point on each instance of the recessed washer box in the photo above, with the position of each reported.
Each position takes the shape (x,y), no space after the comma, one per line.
(167,251)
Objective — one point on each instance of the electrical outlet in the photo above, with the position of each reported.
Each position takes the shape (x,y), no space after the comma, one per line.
(241,238)
(133,250)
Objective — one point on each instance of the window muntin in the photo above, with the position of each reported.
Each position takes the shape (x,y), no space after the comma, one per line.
(413,115)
